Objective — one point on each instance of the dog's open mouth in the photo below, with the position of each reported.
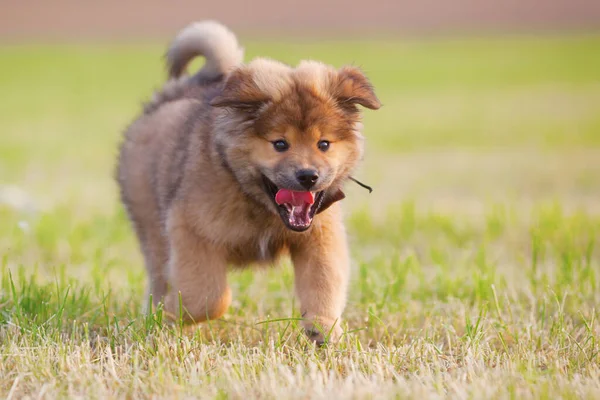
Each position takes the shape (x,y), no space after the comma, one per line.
(296,209)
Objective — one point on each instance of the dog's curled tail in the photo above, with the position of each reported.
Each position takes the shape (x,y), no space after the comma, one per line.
(210,39)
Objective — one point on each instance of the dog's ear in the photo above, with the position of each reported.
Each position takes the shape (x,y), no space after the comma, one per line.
(353,87)
(240,92)
(330,198)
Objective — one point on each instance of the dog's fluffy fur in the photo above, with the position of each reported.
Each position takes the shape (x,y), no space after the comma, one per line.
(196,166)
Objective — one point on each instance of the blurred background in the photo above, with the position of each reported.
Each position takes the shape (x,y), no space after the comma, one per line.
(76,20)
(515,77)
(487,104)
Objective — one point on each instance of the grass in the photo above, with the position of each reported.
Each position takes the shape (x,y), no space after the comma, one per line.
(476,267)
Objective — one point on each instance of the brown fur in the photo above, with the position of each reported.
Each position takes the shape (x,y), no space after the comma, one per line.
(190,177)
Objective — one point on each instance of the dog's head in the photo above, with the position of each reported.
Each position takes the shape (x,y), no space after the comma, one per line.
(291,136)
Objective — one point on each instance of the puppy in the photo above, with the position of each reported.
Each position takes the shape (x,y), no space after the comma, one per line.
(240,164)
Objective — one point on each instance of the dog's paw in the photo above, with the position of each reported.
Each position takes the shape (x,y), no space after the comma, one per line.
(323,331)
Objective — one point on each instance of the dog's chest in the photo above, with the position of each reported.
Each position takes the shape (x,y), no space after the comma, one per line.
(264,248)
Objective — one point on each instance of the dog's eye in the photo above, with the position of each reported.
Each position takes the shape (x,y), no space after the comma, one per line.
(323,145)
(281,145)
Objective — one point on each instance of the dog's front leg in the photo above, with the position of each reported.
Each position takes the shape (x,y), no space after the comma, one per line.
(321,265)
(197,273)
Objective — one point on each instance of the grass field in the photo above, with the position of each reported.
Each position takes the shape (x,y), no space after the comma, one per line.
(476,260)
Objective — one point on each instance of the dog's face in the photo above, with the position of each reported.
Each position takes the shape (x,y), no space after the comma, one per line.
(293,135)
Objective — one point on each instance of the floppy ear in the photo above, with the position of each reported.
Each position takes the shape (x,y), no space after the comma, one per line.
(240,92)
(329,199)
(353,88)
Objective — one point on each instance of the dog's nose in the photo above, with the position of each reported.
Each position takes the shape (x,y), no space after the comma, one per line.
(307,177)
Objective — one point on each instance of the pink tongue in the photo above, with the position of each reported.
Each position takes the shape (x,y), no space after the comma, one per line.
(296,199)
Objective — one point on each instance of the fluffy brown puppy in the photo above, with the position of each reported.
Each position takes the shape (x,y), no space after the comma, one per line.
(240,164)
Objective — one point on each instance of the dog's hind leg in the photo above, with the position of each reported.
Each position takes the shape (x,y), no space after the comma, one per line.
(155,250)
(197,274)
(153,244)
